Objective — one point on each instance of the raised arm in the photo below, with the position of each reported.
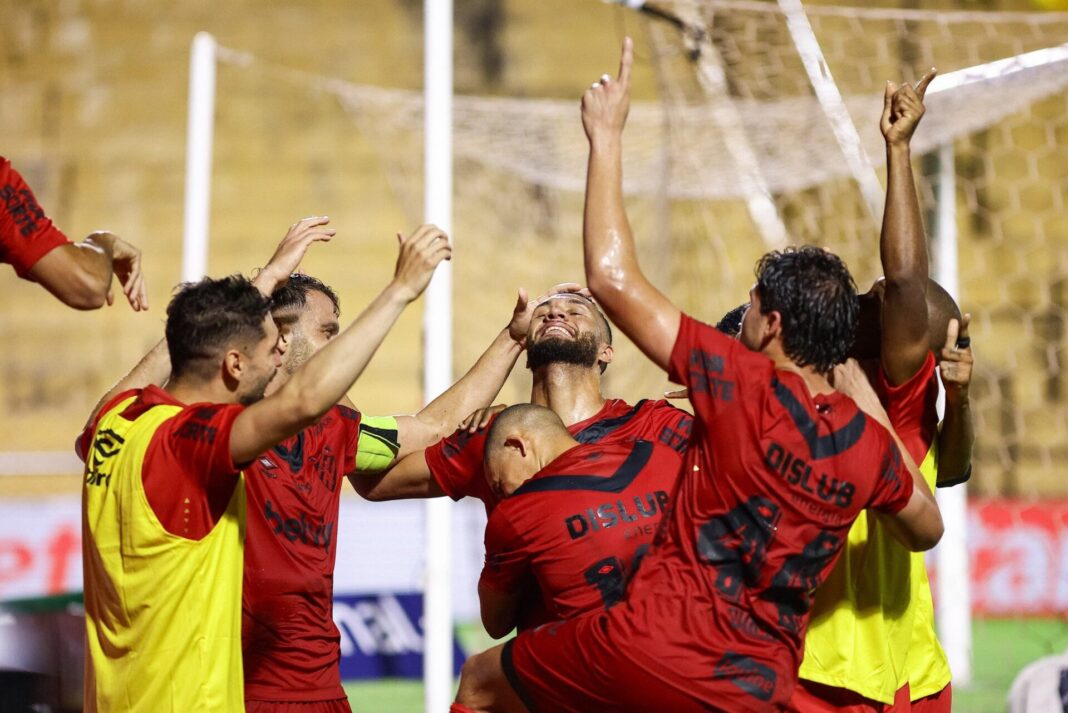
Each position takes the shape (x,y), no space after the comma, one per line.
(408,475)
(644,314)
(957,435)
(475,389)
(314,388)
(918,526)
(903,244)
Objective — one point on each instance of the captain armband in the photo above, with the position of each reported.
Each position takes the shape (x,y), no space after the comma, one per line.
(378,444)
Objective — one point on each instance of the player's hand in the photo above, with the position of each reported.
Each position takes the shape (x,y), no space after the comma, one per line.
(955,367)
(126,266)
(683,393)
(290,252)
(480,418)
(851,380)
(524,308)
(606,103)
(420,254)
(903,108)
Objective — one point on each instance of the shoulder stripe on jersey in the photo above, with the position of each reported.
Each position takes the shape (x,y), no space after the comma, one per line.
(598,430)
(617,482)
(818,446)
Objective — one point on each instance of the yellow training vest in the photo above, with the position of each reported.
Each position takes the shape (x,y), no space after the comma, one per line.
(162,612)
(872,624)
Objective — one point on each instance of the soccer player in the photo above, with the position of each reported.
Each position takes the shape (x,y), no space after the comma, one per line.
(872,643)
(779,465)
(574,518)
(164,501)
(79,274)
(569,345)
(291,645)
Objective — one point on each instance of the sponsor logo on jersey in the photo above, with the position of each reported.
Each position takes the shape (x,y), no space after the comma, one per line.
(798,472)
(616,512)
(294,529)
(106,446)
(753,677)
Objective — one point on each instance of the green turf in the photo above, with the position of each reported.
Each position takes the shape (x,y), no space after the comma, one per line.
(1002,647)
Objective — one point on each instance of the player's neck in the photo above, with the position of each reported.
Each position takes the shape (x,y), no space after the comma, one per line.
(194,391)
(816,382)
(572,391)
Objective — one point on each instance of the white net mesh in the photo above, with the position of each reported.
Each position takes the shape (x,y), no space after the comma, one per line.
(740,147)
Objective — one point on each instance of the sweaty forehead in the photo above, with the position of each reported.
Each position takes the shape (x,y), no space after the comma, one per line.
(568,298)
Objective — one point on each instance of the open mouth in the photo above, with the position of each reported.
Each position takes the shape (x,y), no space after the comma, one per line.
(557,330)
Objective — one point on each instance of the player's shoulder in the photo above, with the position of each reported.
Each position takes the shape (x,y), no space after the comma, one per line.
(463,440)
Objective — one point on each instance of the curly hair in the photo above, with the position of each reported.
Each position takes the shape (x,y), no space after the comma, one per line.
(815,294)
(206,317)
(294,294)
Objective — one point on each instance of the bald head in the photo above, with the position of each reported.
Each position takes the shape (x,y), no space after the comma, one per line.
(941,307)
(522,440)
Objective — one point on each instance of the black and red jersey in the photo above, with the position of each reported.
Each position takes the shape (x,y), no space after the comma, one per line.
(456,462)
(291,645)
(580,526)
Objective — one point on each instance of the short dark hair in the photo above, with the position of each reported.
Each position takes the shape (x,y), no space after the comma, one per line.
(812,290)
(208,316)
(294,294)
(731,323)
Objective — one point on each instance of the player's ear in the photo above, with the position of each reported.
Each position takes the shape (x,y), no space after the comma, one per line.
(233,364)
(606,354)
(772,324)
(516,443)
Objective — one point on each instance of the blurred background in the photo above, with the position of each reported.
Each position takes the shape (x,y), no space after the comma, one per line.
(729,153)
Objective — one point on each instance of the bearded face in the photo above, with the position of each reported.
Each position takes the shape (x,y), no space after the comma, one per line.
(580,351)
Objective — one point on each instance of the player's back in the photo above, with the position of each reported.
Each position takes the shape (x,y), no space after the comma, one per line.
(582,524)
(772,481)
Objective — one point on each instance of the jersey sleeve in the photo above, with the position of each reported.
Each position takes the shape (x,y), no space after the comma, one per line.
(26,233)
(507,559)
(672,425)
(456,464)
(894,486)
(199,437)
(712,366)
(911,407)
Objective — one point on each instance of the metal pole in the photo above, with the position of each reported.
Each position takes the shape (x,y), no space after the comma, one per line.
(830,99)
(954,601)
(198,157)
(437,345)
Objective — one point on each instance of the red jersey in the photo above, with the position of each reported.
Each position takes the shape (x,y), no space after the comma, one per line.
(188,474)
(717,612)
(580,526)
(291,645)
(456,461)
(26,233)
(911,407)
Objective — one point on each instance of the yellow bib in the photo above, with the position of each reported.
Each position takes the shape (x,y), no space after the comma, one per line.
(872,624)
(162,613)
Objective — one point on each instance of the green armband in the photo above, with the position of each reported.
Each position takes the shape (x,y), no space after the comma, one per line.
(378,443)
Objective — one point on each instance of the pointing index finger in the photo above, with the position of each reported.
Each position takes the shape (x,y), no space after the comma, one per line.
(925,81)
(626,59)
